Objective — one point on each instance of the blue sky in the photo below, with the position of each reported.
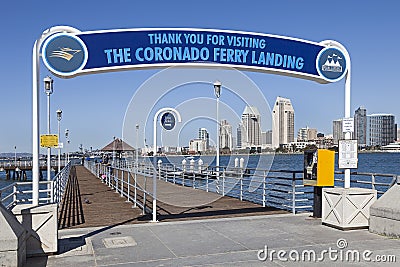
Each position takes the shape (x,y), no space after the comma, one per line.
(94,106)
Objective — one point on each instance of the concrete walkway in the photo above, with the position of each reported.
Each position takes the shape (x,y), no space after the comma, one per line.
(222,242)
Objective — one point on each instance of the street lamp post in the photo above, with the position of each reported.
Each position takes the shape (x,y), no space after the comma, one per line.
(59,116)
(113,155)
(48,89)
(217,92)
(15,156)
(136,160)
(66,149)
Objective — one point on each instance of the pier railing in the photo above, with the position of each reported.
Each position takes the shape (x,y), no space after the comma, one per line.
(282,189)
(4,164)
(49,191)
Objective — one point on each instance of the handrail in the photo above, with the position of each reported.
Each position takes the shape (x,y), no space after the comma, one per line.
(282,189)
(49,191)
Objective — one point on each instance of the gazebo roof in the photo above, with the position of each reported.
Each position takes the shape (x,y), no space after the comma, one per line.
(117,145)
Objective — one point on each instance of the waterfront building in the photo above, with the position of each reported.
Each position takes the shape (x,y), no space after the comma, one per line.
(225,135)
(198,146)
(266,137)
(282,122)
(337,131)
(204,135)
(251,131)
(307,134)
(381,129)
(360,126)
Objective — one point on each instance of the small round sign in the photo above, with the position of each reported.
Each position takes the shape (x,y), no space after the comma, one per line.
(64,54)
(331,64)
(168,121)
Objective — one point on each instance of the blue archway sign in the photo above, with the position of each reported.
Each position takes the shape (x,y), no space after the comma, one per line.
(71,54)
(68,52)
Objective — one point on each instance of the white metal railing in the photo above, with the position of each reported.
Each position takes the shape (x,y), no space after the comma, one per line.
(25,163)
(49,191)
(282,189)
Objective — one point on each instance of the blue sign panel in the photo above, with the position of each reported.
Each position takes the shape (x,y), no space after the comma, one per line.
(331,64)
(138,48)
(64,54)
(168,121)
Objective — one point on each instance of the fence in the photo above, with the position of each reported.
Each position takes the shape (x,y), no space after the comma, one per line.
(49,191)
(282,189)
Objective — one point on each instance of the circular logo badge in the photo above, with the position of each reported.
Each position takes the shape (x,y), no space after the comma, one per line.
(64,54)
(168,121)
(331,64)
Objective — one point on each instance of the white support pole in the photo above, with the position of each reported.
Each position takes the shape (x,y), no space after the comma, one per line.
(35,124)
(48,149)
(217,160)
(347,115)
(35,106)
(155,154)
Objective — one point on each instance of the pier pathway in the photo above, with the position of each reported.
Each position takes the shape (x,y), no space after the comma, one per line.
(90,203)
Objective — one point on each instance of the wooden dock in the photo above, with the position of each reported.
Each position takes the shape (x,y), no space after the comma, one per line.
(88,203)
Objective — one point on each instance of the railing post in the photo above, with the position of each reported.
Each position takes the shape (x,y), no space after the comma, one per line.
(115,173)
(122,182)
(15,193)
(373,181)
(294,193)
(174,177)
(207,180)
(51,191)
(264,188)
(159,169)
(241,185)
(128,186)
(223,182)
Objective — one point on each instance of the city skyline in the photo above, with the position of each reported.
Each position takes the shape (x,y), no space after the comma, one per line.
(94,106)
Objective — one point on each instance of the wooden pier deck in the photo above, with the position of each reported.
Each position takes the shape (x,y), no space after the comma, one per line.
(89,203)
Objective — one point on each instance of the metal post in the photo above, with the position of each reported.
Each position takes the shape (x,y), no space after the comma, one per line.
(48,132)
(59,112)
(35,123)
(294,193)
(154,190)
(15,156)
(136,168)
(264,188)
(347,115)
(122,182)
(217,92)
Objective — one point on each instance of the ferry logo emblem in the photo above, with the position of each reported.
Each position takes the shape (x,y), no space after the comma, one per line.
(64,54)
(331,64)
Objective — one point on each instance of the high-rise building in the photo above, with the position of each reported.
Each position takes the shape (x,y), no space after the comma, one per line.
(360,126)
(251,131)
(225,135)
(203,135)
(239,135)
(381,129)
(337,131)
(282,122)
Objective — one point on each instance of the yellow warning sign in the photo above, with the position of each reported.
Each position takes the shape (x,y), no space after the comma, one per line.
(49,140)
